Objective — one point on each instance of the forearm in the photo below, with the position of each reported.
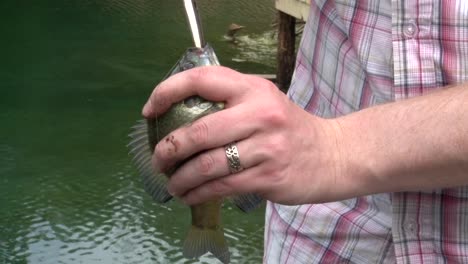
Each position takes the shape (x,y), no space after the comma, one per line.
(411,145)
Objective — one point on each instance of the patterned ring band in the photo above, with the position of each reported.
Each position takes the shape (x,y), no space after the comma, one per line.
(232,155)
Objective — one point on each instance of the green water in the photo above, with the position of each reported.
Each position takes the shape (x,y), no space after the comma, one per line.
(74,76)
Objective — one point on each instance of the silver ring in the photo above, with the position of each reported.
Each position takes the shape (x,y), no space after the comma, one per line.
(232,155)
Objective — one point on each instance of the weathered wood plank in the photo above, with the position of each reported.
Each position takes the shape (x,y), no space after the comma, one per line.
(296,8)
(286,50)
(270,77)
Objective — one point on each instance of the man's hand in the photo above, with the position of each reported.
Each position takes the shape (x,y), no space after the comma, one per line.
(289,156)
(293,157)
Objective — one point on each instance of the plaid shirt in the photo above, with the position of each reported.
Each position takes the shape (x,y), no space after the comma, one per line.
(355,54)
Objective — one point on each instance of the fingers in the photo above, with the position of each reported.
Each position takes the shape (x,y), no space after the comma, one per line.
(206,171)
(214,83)
(210,165)
(209,132)
(246,181)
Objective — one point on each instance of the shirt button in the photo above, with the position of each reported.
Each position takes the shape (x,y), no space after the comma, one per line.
(410,29)
(410,227)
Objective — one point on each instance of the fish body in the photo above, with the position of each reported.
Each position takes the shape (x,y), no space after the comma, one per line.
(206,233)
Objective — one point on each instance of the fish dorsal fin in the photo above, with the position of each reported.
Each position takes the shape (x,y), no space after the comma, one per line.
(247,202)
(154,183)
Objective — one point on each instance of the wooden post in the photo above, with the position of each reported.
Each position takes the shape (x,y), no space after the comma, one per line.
(286,50)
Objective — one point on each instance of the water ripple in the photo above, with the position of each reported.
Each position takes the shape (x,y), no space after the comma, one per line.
(69,194)
(128,229)
(259,48)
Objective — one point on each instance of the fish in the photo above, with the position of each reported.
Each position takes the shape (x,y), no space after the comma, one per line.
(206,233)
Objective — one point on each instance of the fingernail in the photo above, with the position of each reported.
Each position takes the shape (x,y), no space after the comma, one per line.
(147,109)
(170,191)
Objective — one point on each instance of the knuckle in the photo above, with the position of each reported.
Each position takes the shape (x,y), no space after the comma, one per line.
(275,116)
(224,71)
(275,176)
(280,145)
(197,74)
(198,133)
(205,164)
(276,146)
(271,87)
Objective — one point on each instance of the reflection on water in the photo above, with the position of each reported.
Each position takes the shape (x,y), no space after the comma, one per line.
(259,48)
(74,77)
(92,221)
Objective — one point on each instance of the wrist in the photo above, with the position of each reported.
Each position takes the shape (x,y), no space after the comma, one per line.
(345,161)
(360,157)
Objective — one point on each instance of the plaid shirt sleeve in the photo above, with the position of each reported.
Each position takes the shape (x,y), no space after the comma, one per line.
(355,54)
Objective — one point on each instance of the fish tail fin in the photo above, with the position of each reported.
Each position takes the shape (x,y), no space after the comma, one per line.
(201,240)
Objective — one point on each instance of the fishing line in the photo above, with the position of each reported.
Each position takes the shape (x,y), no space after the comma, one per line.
(157,125)
(248,237)
(195,23)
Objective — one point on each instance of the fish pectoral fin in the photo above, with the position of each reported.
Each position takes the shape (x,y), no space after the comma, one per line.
(153,182)
(202,240)
(247,202)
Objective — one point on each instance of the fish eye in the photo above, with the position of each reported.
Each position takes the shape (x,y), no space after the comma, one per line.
(188,65)
(205,105)
(192,101)
(196,101)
